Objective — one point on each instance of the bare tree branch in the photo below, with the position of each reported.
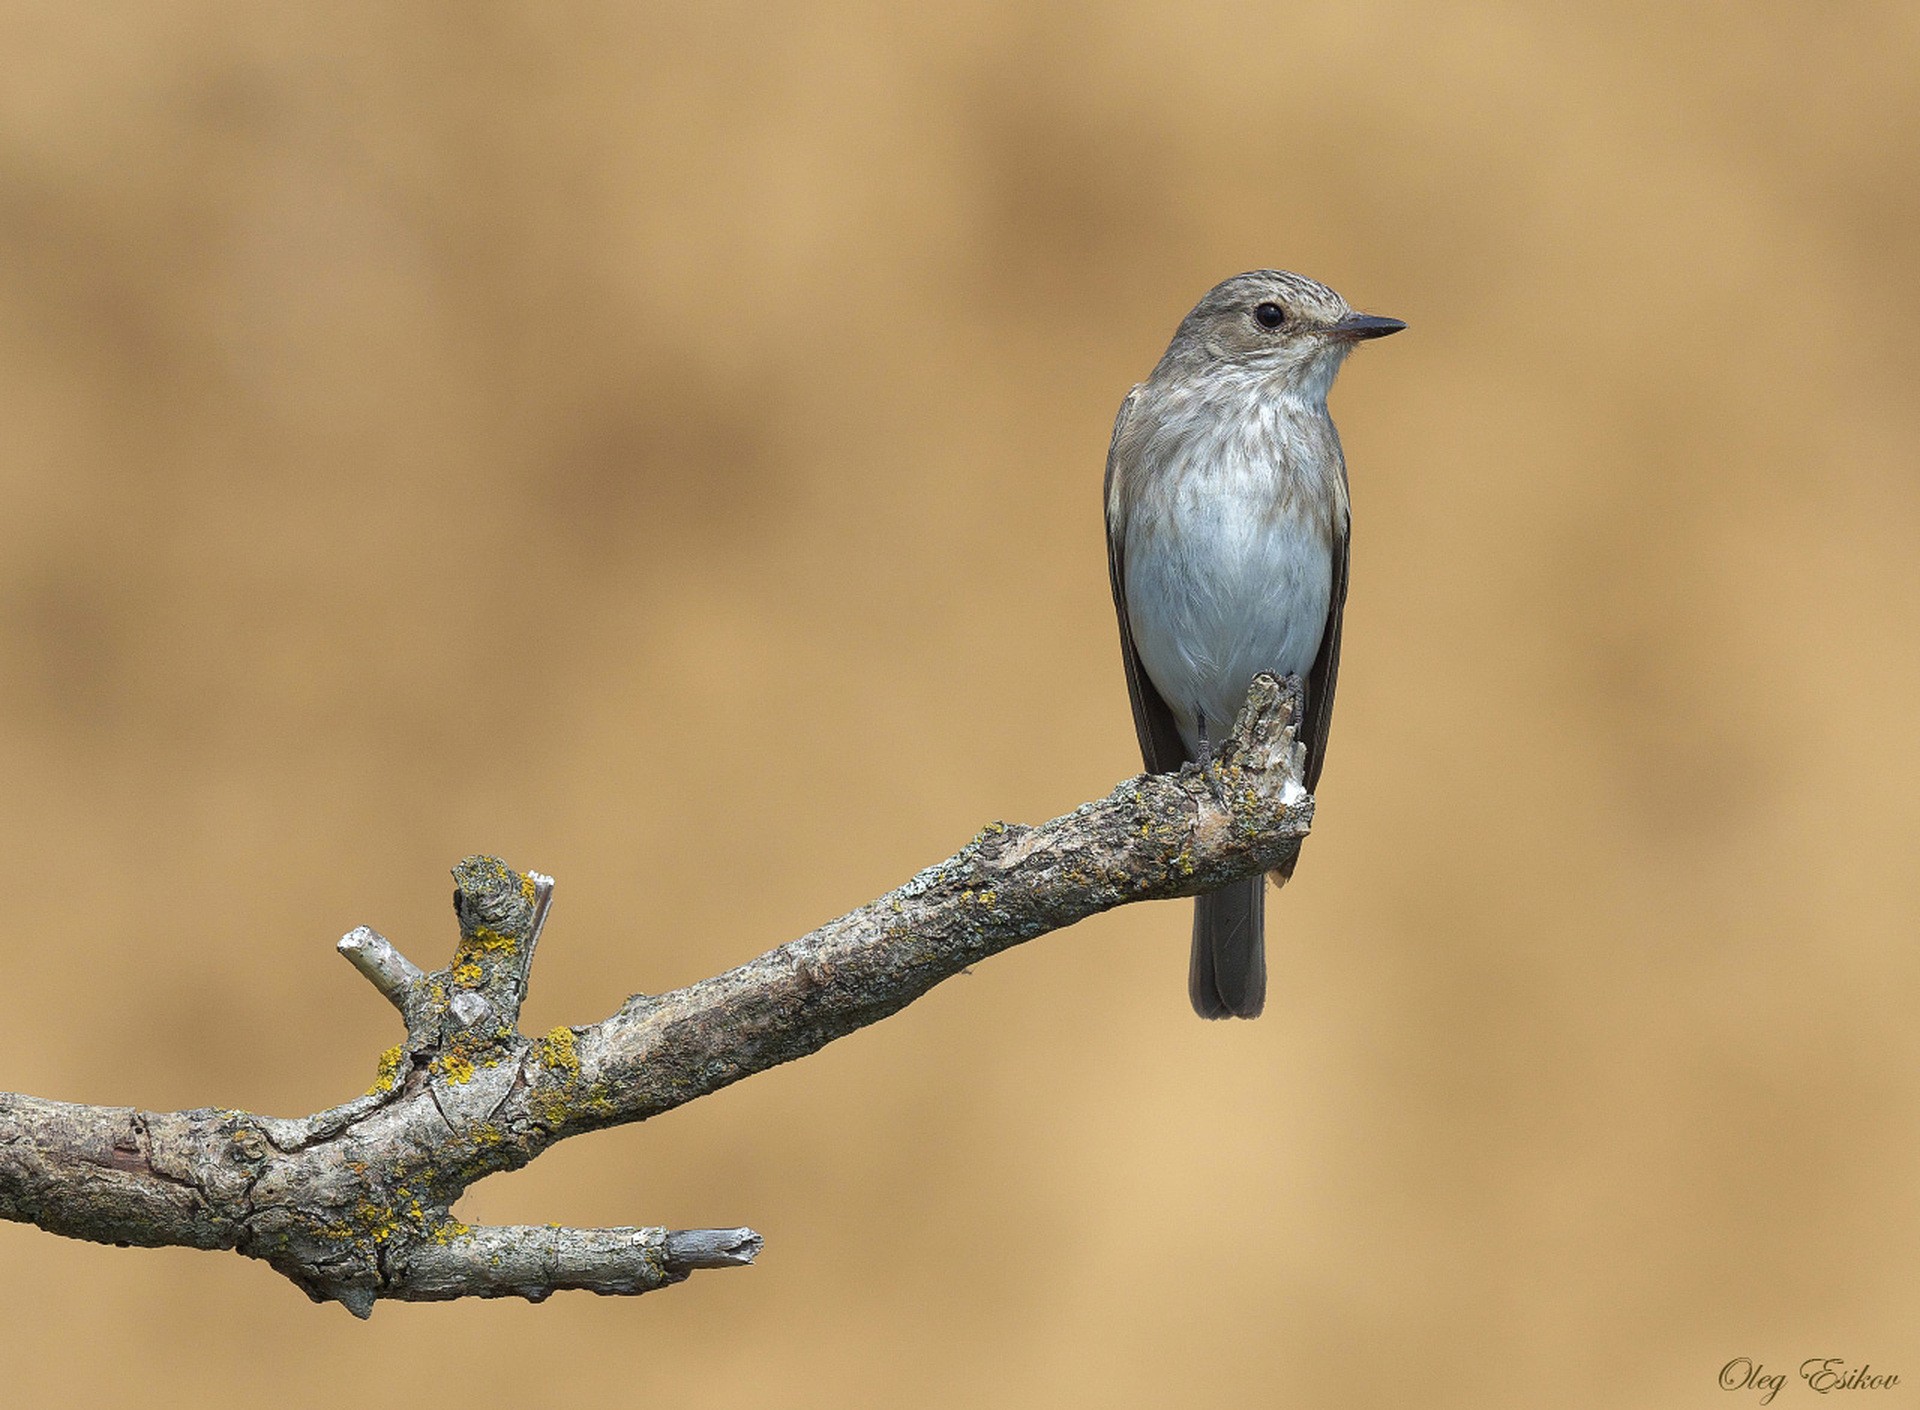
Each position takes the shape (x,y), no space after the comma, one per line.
(386,969)
(354,1204)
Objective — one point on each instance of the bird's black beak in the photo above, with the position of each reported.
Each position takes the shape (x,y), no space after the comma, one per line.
(1356,326)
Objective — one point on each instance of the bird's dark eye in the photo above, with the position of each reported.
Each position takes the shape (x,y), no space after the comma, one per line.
(1269,315)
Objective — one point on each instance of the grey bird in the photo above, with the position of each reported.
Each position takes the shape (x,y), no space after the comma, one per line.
(1227,529)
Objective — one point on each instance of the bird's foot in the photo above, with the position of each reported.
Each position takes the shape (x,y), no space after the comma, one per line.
(1204,757)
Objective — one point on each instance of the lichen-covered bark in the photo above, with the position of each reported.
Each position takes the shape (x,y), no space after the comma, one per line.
(353,1204)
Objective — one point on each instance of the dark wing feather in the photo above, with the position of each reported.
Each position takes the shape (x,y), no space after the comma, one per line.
(1160,744)
(1326,666)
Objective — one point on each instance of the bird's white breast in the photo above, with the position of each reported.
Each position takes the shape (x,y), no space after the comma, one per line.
(1229,553)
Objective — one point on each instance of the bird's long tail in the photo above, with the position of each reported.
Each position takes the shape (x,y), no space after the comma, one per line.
(1228,974)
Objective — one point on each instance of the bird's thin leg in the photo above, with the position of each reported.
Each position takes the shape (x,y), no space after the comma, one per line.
(1204,758)
(1205,754)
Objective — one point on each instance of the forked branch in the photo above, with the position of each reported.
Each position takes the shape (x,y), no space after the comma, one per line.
(354,1204)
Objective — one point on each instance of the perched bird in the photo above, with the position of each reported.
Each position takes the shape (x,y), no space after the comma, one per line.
(1227,532)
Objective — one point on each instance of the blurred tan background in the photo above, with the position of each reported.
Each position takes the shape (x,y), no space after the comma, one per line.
(741,378)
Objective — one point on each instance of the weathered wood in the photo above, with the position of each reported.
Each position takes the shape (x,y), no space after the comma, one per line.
(353,1204)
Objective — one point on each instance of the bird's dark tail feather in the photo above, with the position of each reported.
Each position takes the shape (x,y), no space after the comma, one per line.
(1228,975)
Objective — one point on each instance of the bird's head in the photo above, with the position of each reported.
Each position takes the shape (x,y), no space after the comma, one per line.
(1283,329)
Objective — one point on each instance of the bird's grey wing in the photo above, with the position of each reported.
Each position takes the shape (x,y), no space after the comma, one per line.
(1160,745)
(1326,667)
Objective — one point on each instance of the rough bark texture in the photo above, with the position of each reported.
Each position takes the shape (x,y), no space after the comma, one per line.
(353,1204)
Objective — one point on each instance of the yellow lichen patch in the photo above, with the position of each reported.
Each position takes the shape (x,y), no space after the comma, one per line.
(455,1066)
(388,1071)
(382,1223)
(468,1052)
(378,1224)
(529,890)
(480,951)
(556,1097)
(557,1053)
(449,1231)
(487,940)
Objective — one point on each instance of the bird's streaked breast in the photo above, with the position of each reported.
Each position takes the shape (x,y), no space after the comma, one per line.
(1230,525)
